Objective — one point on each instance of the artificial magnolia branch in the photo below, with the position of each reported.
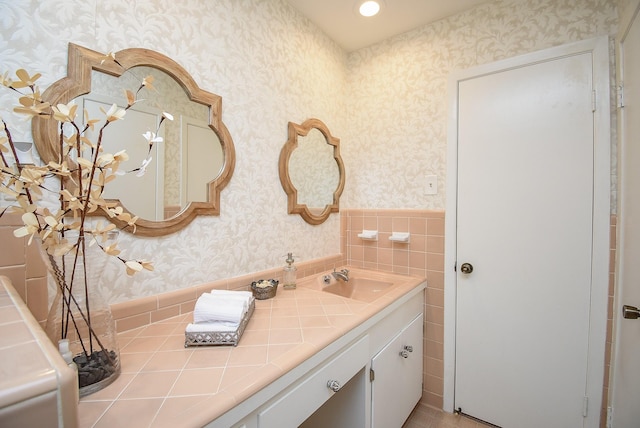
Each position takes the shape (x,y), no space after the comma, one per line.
(83,170)
(74,184)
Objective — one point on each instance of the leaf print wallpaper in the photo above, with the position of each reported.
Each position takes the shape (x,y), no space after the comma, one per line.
(386,103)
(269,65)
(398,90)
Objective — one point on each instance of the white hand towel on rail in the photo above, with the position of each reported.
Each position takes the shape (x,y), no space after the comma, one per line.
(215,308)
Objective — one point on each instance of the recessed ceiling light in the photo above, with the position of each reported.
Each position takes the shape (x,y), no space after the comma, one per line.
(369,8)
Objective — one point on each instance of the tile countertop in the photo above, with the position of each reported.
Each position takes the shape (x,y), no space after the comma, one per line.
(165,384)
(36,384)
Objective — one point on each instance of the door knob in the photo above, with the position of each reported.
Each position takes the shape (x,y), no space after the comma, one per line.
(466,268)
(630,312)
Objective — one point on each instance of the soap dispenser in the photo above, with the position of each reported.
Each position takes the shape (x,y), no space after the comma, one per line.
(289,273)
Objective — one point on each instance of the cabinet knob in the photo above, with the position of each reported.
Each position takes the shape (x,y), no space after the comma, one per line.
(334,385)
(404,354)
(408,348)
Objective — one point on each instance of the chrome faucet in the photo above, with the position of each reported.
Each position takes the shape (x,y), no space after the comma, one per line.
(343,274)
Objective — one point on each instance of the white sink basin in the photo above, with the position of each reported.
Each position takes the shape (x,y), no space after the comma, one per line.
(362,289)
(363,285)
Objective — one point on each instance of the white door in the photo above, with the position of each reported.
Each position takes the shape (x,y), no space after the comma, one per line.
(625,399)
(525,282)
(201,159)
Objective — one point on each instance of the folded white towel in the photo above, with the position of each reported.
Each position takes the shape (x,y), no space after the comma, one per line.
(211,327)
(246,296)
(233,294)
(210,308)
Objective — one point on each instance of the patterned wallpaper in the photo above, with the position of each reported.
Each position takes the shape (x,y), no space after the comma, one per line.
(397,89)
(269,65)
(386,103)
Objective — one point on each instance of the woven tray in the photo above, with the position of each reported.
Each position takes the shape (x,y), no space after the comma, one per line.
(195,338)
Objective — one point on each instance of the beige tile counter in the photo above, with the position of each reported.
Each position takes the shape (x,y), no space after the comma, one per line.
(37,388)
(165,384)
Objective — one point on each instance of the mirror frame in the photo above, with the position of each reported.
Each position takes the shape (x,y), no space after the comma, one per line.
(82,61)
(293,206)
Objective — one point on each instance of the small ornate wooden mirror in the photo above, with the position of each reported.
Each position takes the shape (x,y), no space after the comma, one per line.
(312,171)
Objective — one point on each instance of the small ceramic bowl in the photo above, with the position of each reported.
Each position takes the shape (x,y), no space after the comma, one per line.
(264,288)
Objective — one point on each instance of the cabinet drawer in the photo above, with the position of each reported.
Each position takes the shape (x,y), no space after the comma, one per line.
(299,402)
(388,328)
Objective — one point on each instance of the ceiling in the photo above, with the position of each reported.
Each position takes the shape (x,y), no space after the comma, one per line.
(340,19)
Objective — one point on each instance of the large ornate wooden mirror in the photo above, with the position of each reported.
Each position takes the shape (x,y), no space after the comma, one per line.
(312,171)
(184,186)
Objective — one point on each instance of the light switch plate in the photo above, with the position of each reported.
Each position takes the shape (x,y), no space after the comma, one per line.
(432,185)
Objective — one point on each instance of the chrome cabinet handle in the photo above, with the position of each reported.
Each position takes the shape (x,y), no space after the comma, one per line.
(405,351)
(334,385)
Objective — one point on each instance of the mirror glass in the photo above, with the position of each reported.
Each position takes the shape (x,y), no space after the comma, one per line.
(188,158)
(192,164)
(312,171)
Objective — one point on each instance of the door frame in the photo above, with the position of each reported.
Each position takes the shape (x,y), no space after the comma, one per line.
(628,16)
(599,49)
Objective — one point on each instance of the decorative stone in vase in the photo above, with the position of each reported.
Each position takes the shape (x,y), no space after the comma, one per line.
(80,314)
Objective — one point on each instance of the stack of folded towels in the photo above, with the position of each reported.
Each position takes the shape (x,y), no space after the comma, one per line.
(220,310)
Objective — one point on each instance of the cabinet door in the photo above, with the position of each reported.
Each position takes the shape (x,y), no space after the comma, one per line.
(397,384)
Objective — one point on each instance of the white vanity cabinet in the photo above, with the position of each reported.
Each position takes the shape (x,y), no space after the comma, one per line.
(396,373)
(377,367)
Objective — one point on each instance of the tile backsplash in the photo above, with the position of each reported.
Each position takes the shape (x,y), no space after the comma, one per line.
(22,264)
(422,256)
